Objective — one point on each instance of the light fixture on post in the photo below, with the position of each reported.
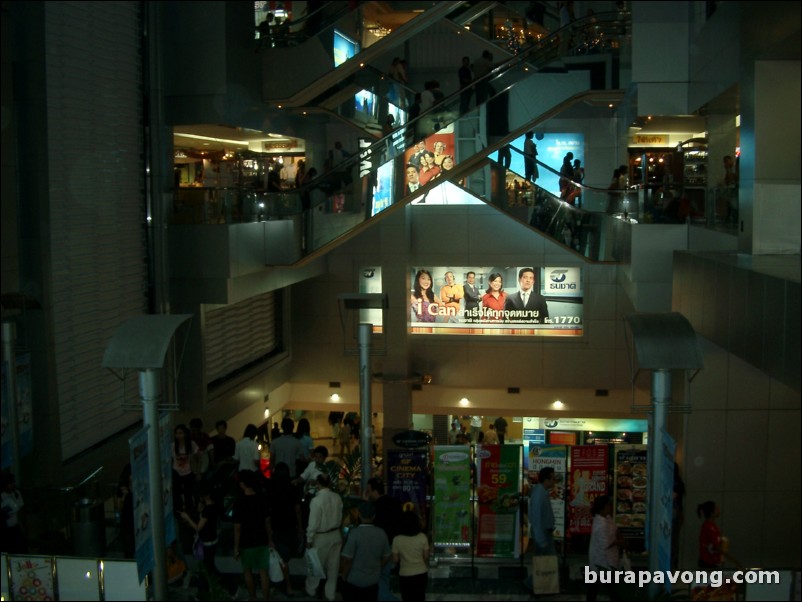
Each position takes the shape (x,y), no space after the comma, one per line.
(351,307)
(142,344)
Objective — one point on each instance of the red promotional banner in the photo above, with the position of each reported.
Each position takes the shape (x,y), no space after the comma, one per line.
(498,494)
(586,481)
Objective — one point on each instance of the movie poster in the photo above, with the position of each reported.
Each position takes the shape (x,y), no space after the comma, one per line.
(407,477)
(586,481)
(498,496)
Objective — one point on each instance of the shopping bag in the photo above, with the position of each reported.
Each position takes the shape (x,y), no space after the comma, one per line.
(276,564)
(545,575)
(313,566)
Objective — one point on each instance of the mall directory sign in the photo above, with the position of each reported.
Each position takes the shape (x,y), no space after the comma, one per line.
(496,300)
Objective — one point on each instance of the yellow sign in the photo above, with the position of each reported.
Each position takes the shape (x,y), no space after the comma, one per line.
(649,140)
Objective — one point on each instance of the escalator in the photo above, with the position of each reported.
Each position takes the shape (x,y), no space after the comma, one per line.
(335,53)
(339,202)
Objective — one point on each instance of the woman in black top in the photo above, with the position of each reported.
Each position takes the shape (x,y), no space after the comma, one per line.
(206,529)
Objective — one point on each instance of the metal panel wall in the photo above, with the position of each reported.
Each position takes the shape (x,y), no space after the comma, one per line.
(97,206)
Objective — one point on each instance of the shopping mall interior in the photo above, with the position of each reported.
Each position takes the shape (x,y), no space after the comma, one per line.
(221,196)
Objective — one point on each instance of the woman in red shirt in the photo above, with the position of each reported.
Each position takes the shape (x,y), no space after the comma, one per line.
(710,552)
(494,299)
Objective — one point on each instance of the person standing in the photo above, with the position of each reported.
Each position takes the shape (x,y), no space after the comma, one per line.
(530,153)
(388,516)
(481,67)
(183,479)
(323,535)
(472,297)
(247,450)
(501,429)
(541,515)
(465,78)
(603,549)
(566,175)
(411,552)
(13,537)
(223,446)
(253,536)
(491,438)
(205,526)
(201,461)
(287,448)
(710,540)
(365,552)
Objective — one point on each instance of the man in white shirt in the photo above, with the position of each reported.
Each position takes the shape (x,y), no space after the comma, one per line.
(323,535)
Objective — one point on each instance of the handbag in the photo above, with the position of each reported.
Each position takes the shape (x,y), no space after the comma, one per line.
(197,548)
(276,566)
(313,566)
(545,575)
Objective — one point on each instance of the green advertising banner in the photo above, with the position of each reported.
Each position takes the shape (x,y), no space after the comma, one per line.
(452,496)
(498,493)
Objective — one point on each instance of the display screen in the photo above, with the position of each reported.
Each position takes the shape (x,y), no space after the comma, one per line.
(551,148)
(383,188)
(479,300)
(344,48)
(365,105)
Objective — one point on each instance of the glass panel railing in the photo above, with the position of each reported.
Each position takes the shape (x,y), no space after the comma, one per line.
(594,234)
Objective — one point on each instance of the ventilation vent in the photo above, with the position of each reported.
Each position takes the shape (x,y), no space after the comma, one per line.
(513,390)
(334,385)
(602,393)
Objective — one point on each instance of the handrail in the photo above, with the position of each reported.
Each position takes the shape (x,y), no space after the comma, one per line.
(84,481)
(520,60)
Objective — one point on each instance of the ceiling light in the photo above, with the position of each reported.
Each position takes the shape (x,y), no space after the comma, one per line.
(558,405)
(464,401)
(210,138)
(335,397)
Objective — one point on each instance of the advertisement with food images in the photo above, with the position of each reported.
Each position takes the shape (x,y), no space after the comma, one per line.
(452,491)
(498,497)
(406,479)
(556,457)
(630,490)
(587,480)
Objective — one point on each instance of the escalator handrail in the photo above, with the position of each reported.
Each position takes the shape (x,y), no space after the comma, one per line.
(514,61)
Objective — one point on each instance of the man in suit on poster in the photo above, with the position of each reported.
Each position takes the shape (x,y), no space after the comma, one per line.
(526,305)
(472,297)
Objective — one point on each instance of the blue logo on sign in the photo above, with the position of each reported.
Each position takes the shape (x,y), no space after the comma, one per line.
(558,275)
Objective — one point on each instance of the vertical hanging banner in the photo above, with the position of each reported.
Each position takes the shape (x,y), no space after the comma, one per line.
(664,505)
(143,537)
(498,494)
(555,456)
(452,496)
(406,479)
(587,481)
(166,450)
(24,404)
(630,490)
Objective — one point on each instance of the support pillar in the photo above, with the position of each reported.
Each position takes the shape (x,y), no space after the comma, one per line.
(150,393)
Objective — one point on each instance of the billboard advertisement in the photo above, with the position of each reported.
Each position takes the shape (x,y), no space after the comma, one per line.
(551,148)
(496,300)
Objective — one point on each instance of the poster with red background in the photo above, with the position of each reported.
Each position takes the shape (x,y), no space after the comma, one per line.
(587,480)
